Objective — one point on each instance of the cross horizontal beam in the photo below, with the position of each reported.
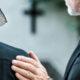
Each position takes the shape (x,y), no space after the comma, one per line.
(33,12)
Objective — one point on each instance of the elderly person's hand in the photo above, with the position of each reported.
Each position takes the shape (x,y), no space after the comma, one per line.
(29,68)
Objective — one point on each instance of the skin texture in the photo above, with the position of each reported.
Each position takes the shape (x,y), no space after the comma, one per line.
(74,3)
(73,6)
(29,68)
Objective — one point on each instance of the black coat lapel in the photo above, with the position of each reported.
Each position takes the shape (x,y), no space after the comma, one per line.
(71,61)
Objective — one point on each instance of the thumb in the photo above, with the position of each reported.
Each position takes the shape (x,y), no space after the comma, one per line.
(33,56)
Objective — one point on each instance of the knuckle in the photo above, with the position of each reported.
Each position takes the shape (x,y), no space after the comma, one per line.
(32,60)
(18,63)
(30,66)
(36,71)
(22,57)
(34,77)
(28,74)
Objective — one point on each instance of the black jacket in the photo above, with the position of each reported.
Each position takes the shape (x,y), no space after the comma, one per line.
(73,67)
(7,54)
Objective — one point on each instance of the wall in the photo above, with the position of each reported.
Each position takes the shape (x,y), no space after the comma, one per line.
(54,41)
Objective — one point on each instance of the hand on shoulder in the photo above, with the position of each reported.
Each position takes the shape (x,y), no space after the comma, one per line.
(29,68)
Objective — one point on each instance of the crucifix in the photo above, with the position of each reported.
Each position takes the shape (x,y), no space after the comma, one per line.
(34,12)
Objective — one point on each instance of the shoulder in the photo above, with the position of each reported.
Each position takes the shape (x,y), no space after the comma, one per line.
(75,70)
(7,51)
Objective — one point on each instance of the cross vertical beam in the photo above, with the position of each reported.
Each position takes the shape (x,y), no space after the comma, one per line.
(33,12)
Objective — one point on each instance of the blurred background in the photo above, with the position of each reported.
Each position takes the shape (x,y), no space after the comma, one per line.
(44,27)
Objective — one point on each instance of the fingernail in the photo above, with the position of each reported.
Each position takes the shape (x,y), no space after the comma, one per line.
(17,74)
(13,67)
(14,62)
(18,57)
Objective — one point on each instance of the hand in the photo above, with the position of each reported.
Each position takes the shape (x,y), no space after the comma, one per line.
(29,68)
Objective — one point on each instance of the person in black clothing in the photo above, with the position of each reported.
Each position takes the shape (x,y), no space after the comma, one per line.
(35,70)
(7,54)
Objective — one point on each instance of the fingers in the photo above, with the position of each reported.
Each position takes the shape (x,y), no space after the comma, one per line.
(28,60)
(20,77)
(33,56)
(25,66)
(23,72)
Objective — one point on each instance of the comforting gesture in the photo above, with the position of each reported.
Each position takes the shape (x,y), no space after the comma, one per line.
(29,68)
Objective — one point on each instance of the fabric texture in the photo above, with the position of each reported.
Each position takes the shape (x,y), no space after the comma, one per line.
(7,54)
(73,68)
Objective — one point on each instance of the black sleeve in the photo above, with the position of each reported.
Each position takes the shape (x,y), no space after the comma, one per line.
(5,70)
(75,71)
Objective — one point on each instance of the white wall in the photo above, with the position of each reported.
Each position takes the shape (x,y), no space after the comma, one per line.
(54,40)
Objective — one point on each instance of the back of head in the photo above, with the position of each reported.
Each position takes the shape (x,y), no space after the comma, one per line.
(7,54)
(2,18)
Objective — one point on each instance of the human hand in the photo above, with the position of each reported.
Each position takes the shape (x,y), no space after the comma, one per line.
(29,68)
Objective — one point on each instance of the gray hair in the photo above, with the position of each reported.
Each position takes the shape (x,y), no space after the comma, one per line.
(3,19)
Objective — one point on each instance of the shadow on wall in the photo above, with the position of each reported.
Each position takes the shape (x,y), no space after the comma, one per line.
(52,71)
